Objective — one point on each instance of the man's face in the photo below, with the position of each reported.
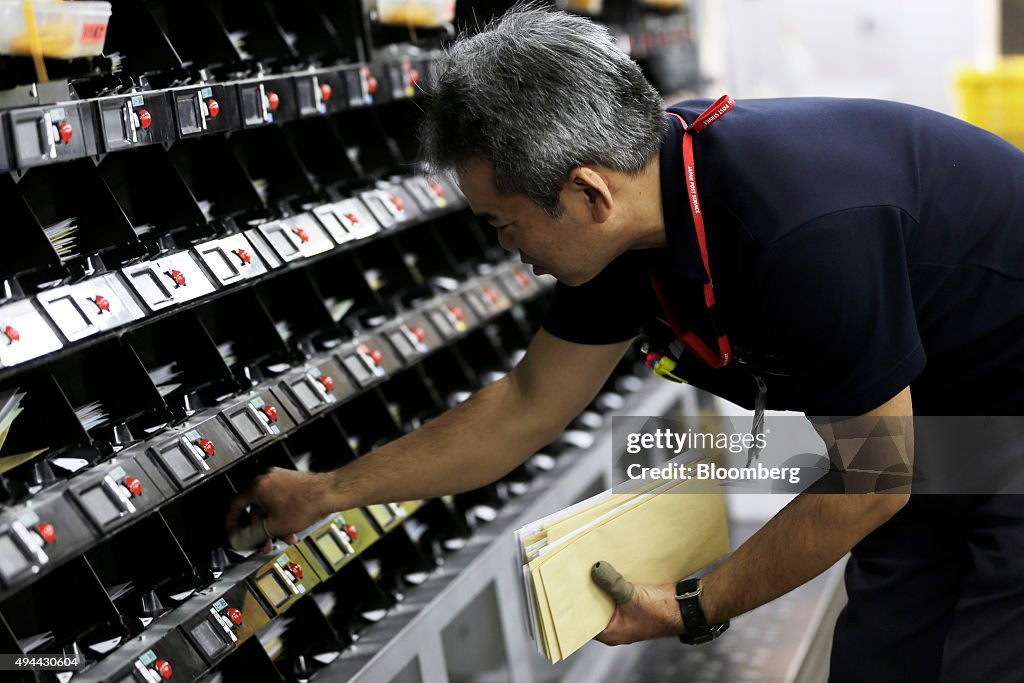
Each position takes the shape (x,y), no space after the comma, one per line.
(574,247)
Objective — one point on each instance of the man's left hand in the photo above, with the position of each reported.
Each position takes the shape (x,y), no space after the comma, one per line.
(652,612)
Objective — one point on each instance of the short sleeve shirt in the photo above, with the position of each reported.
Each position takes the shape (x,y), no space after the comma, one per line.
(857,247)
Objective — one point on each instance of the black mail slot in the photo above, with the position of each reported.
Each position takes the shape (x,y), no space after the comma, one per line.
(209,639)
(318,387)
(356,365)
(247,425)
(251,102)
(190,114)
(100,504)
(226,623)
(260,419)
(50,134)
(14,559)
(38,536)
(180,461)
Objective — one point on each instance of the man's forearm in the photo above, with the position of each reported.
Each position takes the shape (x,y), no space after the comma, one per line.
(807,537)
(468,446)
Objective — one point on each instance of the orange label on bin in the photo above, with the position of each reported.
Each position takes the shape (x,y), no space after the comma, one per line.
(93,32)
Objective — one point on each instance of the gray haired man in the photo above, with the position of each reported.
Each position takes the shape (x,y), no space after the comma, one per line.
(833,257)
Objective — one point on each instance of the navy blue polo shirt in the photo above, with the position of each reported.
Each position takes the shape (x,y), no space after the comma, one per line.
(857,247)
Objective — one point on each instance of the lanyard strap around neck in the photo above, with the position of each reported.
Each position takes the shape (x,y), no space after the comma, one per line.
(691,341)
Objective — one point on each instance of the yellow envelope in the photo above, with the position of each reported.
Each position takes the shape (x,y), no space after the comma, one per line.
(662,538)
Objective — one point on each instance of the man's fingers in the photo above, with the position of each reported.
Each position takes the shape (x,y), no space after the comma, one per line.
(236,508)
(245,498)
(612,582)
(249,537)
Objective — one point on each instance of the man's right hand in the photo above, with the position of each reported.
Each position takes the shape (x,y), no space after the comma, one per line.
(469,446)
(287,500)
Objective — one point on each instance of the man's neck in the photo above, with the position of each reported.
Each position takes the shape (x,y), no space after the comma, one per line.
(647,217)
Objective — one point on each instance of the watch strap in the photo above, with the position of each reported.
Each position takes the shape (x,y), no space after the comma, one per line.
(695,623)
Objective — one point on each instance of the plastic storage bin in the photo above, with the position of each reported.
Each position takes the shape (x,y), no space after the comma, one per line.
(66,29)
(994,99)
(591,7)
(420,13)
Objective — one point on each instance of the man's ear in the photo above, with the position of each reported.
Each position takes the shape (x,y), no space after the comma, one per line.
(593,187)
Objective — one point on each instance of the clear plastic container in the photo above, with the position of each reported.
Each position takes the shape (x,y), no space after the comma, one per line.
(420,13)
(665,4)
(591,7)
(66,29)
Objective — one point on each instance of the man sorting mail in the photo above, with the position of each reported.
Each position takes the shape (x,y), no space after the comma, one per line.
(836,257)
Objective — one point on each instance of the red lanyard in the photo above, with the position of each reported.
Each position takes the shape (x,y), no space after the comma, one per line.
(690,340)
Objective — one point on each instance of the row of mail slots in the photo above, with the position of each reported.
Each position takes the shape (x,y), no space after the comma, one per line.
(163,597)
(179,258)
(39,134)
(184,398)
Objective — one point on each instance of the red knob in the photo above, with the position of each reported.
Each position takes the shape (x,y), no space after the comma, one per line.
(271,412)
(375,354)
(491,295)
(414,76)
(66,131)
(163,668)
(178,277)
(47,531)
(145,119)
(214,107)
(352,532)
(235,615)
(134,485)
(273,100)
(326,91)
(244,255)
(296,570)
(327,381)
(102,303)
(371,84)
(456,311)
(354,219)
(438,190)
(420,333)
(399,204)
(522,278)
(303,235)
(207,447)
(12,333)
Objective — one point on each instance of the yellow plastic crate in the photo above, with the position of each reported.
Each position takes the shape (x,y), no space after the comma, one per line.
(994,99)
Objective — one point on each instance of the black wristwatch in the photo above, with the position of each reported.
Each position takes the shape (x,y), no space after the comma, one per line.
(698,631)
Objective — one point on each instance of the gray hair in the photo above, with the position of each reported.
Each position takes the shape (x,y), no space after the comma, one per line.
(537,93)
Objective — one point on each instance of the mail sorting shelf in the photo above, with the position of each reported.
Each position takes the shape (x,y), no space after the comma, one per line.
(190,361)
(384,430)
(158,474)
(171,328)
(385,568)
(391,563)
(401,558)
(170,276)
(121,438)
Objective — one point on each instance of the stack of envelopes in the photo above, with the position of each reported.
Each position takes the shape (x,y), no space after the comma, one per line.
(659,532)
